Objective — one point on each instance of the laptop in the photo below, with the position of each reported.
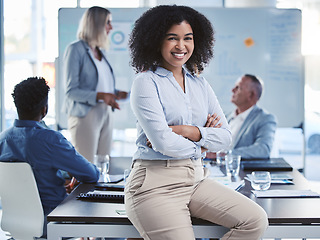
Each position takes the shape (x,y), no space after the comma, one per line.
(271,164)
(119,164)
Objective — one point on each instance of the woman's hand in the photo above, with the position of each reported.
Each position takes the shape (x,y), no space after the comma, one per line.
(122,95)
(203,149)
(149,143)
(109,99)
(213,121)
(191,132)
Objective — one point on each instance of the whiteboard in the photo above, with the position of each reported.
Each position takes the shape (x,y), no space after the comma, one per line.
(262,41)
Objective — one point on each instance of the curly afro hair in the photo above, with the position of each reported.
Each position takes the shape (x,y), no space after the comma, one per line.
(30,96)
(151,28)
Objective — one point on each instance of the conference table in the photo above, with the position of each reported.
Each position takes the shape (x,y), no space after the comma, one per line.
(288,217)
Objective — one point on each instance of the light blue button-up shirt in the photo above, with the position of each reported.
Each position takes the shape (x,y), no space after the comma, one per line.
(158,102)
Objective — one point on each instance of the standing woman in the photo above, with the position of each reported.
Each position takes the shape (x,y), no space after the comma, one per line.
(177,122)
(90,85)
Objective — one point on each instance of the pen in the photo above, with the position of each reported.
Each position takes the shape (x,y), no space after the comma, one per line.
(240,186)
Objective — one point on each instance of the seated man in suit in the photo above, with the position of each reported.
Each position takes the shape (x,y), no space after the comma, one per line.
(46,150)
(252,128)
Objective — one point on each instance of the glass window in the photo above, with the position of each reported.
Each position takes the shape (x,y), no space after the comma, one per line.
(31,48)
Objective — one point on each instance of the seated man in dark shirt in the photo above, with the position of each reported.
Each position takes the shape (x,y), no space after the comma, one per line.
(46,150)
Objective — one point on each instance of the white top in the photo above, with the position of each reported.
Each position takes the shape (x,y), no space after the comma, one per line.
(236,122)
(105,78)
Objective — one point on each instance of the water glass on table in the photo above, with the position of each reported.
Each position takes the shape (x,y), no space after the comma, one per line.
(221,157)
(102,162)
(260,180)
(232,164)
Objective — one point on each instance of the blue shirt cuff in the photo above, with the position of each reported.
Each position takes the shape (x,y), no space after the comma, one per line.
(197,154)
(203,138)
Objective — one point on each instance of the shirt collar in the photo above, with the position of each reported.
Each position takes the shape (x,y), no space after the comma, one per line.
(27,123)
(164,72)
(244,114)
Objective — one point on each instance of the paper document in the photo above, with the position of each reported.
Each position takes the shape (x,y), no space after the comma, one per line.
(236,185)
(106,193)
(281,176)
(285,193)
(226,180)
(275,179)
(215,171)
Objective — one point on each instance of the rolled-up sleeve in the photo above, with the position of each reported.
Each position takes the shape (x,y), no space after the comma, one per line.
(215,139)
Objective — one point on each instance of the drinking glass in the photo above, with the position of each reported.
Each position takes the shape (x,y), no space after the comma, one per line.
(232,164)
(220,157)
(102,163)
(260,180)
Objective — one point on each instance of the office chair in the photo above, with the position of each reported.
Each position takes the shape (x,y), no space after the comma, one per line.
(22,213)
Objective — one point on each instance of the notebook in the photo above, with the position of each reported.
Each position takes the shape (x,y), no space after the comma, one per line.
(286,194)
(276,178)
(103,196)
(271,164)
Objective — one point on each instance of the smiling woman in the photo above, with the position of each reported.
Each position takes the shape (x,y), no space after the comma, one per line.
(148,55)
(176,49)
(178,119)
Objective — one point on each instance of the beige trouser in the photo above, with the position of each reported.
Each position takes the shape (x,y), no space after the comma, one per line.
(162,195)
(92,134)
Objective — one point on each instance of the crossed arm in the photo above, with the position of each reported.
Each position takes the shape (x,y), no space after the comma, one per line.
(192,132)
